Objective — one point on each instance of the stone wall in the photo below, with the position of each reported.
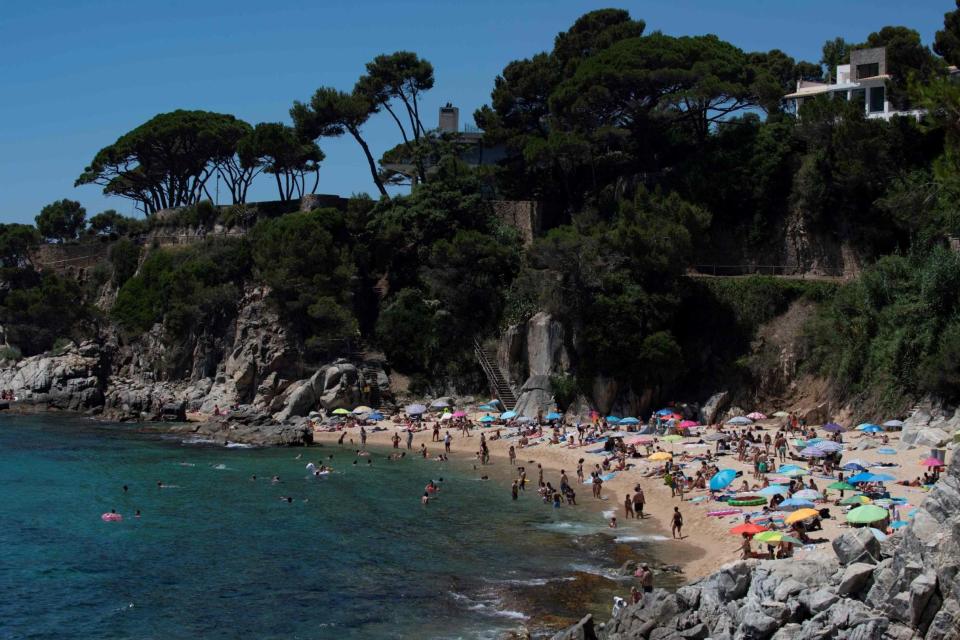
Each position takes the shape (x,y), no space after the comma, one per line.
(523,215)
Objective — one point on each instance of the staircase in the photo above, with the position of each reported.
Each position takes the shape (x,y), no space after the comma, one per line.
(498,382)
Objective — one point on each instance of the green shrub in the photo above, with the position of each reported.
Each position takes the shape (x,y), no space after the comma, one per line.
(10,352)
(124,256)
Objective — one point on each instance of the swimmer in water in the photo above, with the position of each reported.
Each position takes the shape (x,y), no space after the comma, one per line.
(275,479)
(425,499)
(286,499)
(125,488)
(253,478)
(137,514)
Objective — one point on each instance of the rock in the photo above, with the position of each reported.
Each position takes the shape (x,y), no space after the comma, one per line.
(511,356)
(820,600)
(855,578)
(536,395)
(583,630)
(713,406)
(74,380)
(858,545)
(174,411)
(546,352)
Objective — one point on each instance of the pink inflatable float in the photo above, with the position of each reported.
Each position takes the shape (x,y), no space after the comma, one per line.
(111,517)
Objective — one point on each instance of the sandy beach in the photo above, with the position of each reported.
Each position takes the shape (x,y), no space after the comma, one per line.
(707,543)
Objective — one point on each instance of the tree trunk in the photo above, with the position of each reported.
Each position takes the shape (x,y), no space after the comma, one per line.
(373,165)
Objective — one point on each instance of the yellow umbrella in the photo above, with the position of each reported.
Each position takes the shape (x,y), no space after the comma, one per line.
(659,456)
(801,514)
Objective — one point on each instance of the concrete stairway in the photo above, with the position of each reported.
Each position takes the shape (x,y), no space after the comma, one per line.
(498,381)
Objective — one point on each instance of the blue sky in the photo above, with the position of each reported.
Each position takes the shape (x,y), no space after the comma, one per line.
(76,74)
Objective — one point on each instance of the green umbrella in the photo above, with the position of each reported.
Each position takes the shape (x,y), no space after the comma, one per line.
(856,500)
(341,412)
(841,486)
(672,438)
(866,514)
(775,536)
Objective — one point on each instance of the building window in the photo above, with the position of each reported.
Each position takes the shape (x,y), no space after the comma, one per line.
(870,70)
(876,99)
(858,96)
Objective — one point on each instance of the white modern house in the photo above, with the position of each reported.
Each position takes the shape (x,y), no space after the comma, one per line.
(864,81)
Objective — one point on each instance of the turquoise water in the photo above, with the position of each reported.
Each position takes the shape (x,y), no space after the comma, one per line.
(219,555)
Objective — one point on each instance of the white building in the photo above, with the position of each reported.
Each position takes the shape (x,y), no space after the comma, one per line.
(864,81)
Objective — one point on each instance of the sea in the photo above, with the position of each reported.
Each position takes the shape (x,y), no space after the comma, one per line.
(218,551)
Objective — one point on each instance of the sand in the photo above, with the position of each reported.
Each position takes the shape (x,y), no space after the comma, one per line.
(706,544)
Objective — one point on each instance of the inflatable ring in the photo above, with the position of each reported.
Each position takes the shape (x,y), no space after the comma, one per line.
(747,502)
(111,517)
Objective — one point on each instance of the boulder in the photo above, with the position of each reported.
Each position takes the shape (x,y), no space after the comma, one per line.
(855,578)
(858,545)
(713,406)
(546,352)
(511,357)
(536,395)
(583,630)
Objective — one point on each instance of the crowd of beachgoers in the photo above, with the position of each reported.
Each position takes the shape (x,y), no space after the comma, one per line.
(755,486)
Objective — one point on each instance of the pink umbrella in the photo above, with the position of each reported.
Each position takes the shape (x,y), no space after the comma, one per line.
(459,414)
(686,424)
(756,415)
(640,440)
(933,462)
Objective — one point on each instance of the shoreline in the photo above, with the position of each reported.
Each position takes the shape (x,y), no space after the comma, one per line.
(694,560)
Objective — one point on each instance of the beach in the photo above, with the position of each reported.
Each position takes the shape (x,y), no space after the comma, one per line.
(707,543)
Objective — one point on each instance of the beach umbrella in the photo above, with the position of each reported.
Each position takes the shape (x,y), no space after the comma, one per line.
(439,404)
(525,419)
(829,446)
(800,515)
(854,466)
(687,424)
(933,462)
(893,424)
(856,500)
(781,414)
(613,419)
(722,479)
(640,440)
(508,415)
(879,535)
(841,486)
(376,416)
(660,456)
(740,421)
(672,438)
(898,524)
(341,412)
(796,503)
(795,473)
(866,514)
(414,409)
(813,452)
(714,437)
(833,427)
(629,420)
(664,412)
(771,537)
(362,409)
(487,418)
(808,494)
(553,415)
(774,489)
(446,416)
(756,415)
(494,402)
(887,451)
(870,477)
(671,416)
(886,503)
(748,528)
(867,427)
(487,407)
(791,467)
(459,414)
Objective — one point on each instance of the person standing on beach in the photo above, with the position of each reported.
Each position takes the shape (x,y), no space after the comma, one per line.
(436,432)
(363,436)
(523,479)
(513,456)
(396,440)
(598,483)
(540,473)
(564,481)
(638,501)
(580,471)
(514,490)
(446,442)
(409,438)
(627,507)
(677,520)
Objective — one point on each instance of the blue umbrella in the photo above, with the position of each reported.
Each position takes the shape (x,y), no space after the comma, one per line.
(722,479)
(813,452)
(487,407)
(887,451)
(897,524)
(375,416)
(870,477)
(508,415)
(829,446)
(832,427)
(664,412)
(629,420)
(553,415)
(774,489)
(797,503)
(867,427)
(791,467)
(486,419)
(415,409)
(853,466)
(613,419)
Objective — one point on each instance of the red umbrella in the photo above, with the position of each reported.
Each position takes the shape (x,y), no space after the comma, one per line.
(747,527)
(933,462)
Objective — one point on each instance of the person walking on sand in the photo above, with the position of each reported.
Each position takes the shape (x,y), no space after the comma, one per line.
(677,522)
(512,453)
(627,507)
(598,483)
(638,501)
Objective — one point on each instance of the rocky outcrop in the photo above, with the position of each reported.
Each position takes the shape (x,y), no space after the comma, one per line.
(248,426)
(905,589)
(73,380)
(536,396)
(334,386)
(713,406)
(931,425)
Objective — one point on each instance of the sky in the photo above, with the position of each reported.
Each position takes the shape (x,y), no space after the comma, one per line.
(77,74)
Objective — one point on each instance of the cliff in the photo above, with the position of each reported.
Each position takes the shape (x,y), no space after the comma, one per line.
(905,588)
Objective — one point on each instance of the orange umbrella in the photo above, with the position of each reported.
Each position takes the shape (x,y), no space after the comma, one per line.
(747,527)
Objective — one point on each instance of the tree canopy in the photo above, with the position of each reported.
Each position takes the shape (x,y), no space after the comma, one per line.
(61,220)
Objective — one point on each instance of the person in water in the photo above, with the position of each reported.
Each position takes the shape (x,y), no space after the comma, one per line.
(425,499)
(137,514)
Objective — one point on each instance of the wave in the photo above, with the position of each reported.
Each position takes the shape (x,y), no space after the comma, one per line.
(640,538)
(197,440)
(239,445)
(489,608)
(570,528)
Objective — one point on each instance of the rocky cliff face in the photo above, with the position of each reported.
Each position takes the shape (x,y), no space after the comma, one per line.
(252,363)
(906,588)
